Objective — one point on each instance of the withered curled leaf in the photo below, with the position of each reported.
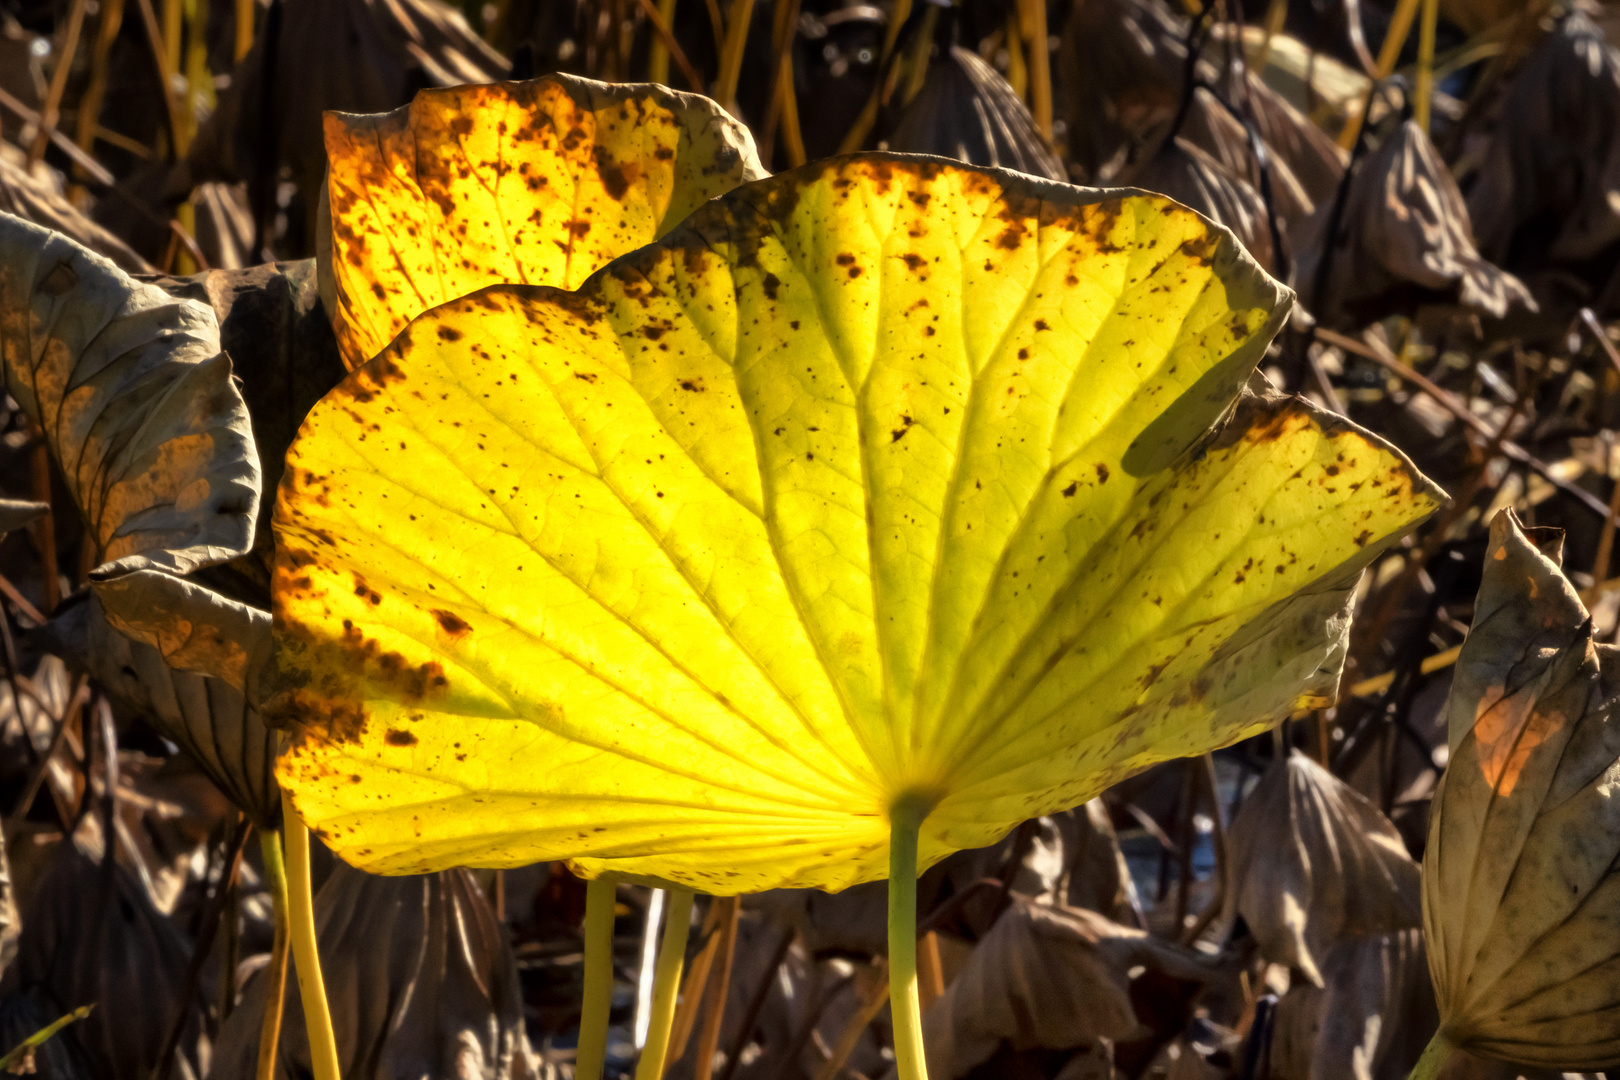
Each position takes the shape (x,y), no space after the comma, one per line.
(1404,238)
(136,402)
(279,337)
(1193,178)
(420,979)
(206,716)
(1368,1022)
(967,111)
(1314,863)
(1553,173)
(94,936)
(1521,899)
(1120,67)
(1050,977)
(36,196)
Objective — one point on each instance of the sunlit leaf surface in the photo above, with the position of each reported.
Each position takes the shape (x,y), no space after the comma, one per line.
(882,476)
(537,182)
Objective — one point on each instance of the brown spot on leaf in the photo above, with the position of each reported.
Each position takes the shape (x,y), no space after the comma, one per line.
(397,737)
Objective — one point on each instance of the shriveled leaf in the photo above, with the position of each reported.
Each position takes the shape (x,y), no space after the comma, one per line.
(1404,239)
(207,716)
(1313,862)
(1214,130)
(1553,169)
(1314,160)
(420,979)
(36,196)
(1047,977)
(883,475)
(15,513)
(1521,901)
(1372,1019)
(1191,176)
(94,937)
(535,182)
(967,111)
(136,402)
(279,337)
(192,627)
(1120,68)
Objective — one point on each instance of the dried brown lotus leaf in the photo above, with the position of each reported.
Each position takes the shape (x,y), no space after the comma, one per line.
(15,513)
(136,401)
(1553,164)
(1315,160)
(279,337)
(208,717)
(967,111)
(1193,178)
(1120,67)
(94,936)
(420,980)
(1377,1010)
(1047,977)
(1313,862)
(36,196)
(1404,238)
(1210,127)
(354,55)
(1521,901)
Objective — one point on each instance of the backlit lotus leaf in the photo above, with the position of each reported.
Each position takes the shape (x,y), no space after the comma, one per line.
(881,478)
(537,182)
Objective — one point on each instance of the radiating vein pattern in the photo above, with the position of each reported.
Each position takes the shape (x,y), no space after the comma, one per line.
(882,476)
(537,182)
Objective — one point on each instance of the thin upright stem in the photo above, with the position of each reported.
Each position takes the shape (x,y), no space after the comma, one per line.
(275,880)
(905,822)
(1423,91)
(306,956)
(598,1003)
(666,984)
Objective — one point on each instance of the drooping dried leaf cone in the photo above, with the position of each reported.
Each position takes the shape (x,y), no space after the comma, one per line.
(967,111)
(421,980)
(1521,901)
(1404,238)
(1194,178)
(1314,863)
(1547,193)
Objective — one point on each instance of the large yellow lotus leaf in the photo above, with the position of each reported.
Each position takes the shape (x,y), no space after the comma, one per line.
(882,476)
(537,182)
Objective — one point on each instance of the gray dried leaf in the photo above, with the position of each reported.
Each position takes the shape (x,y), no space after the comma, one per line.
(1553,164)
(206,716)
(967,111)
(1047,977)
(136,402)
(1404,239)
(1210,127)
(94,936)
(1370,1022)
(37,197)
(420,979)
(1120,68)
(363,56)
(281,345)
(15,513)
(1194,178)
(1521,900)
(1313,862)
(193,628)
